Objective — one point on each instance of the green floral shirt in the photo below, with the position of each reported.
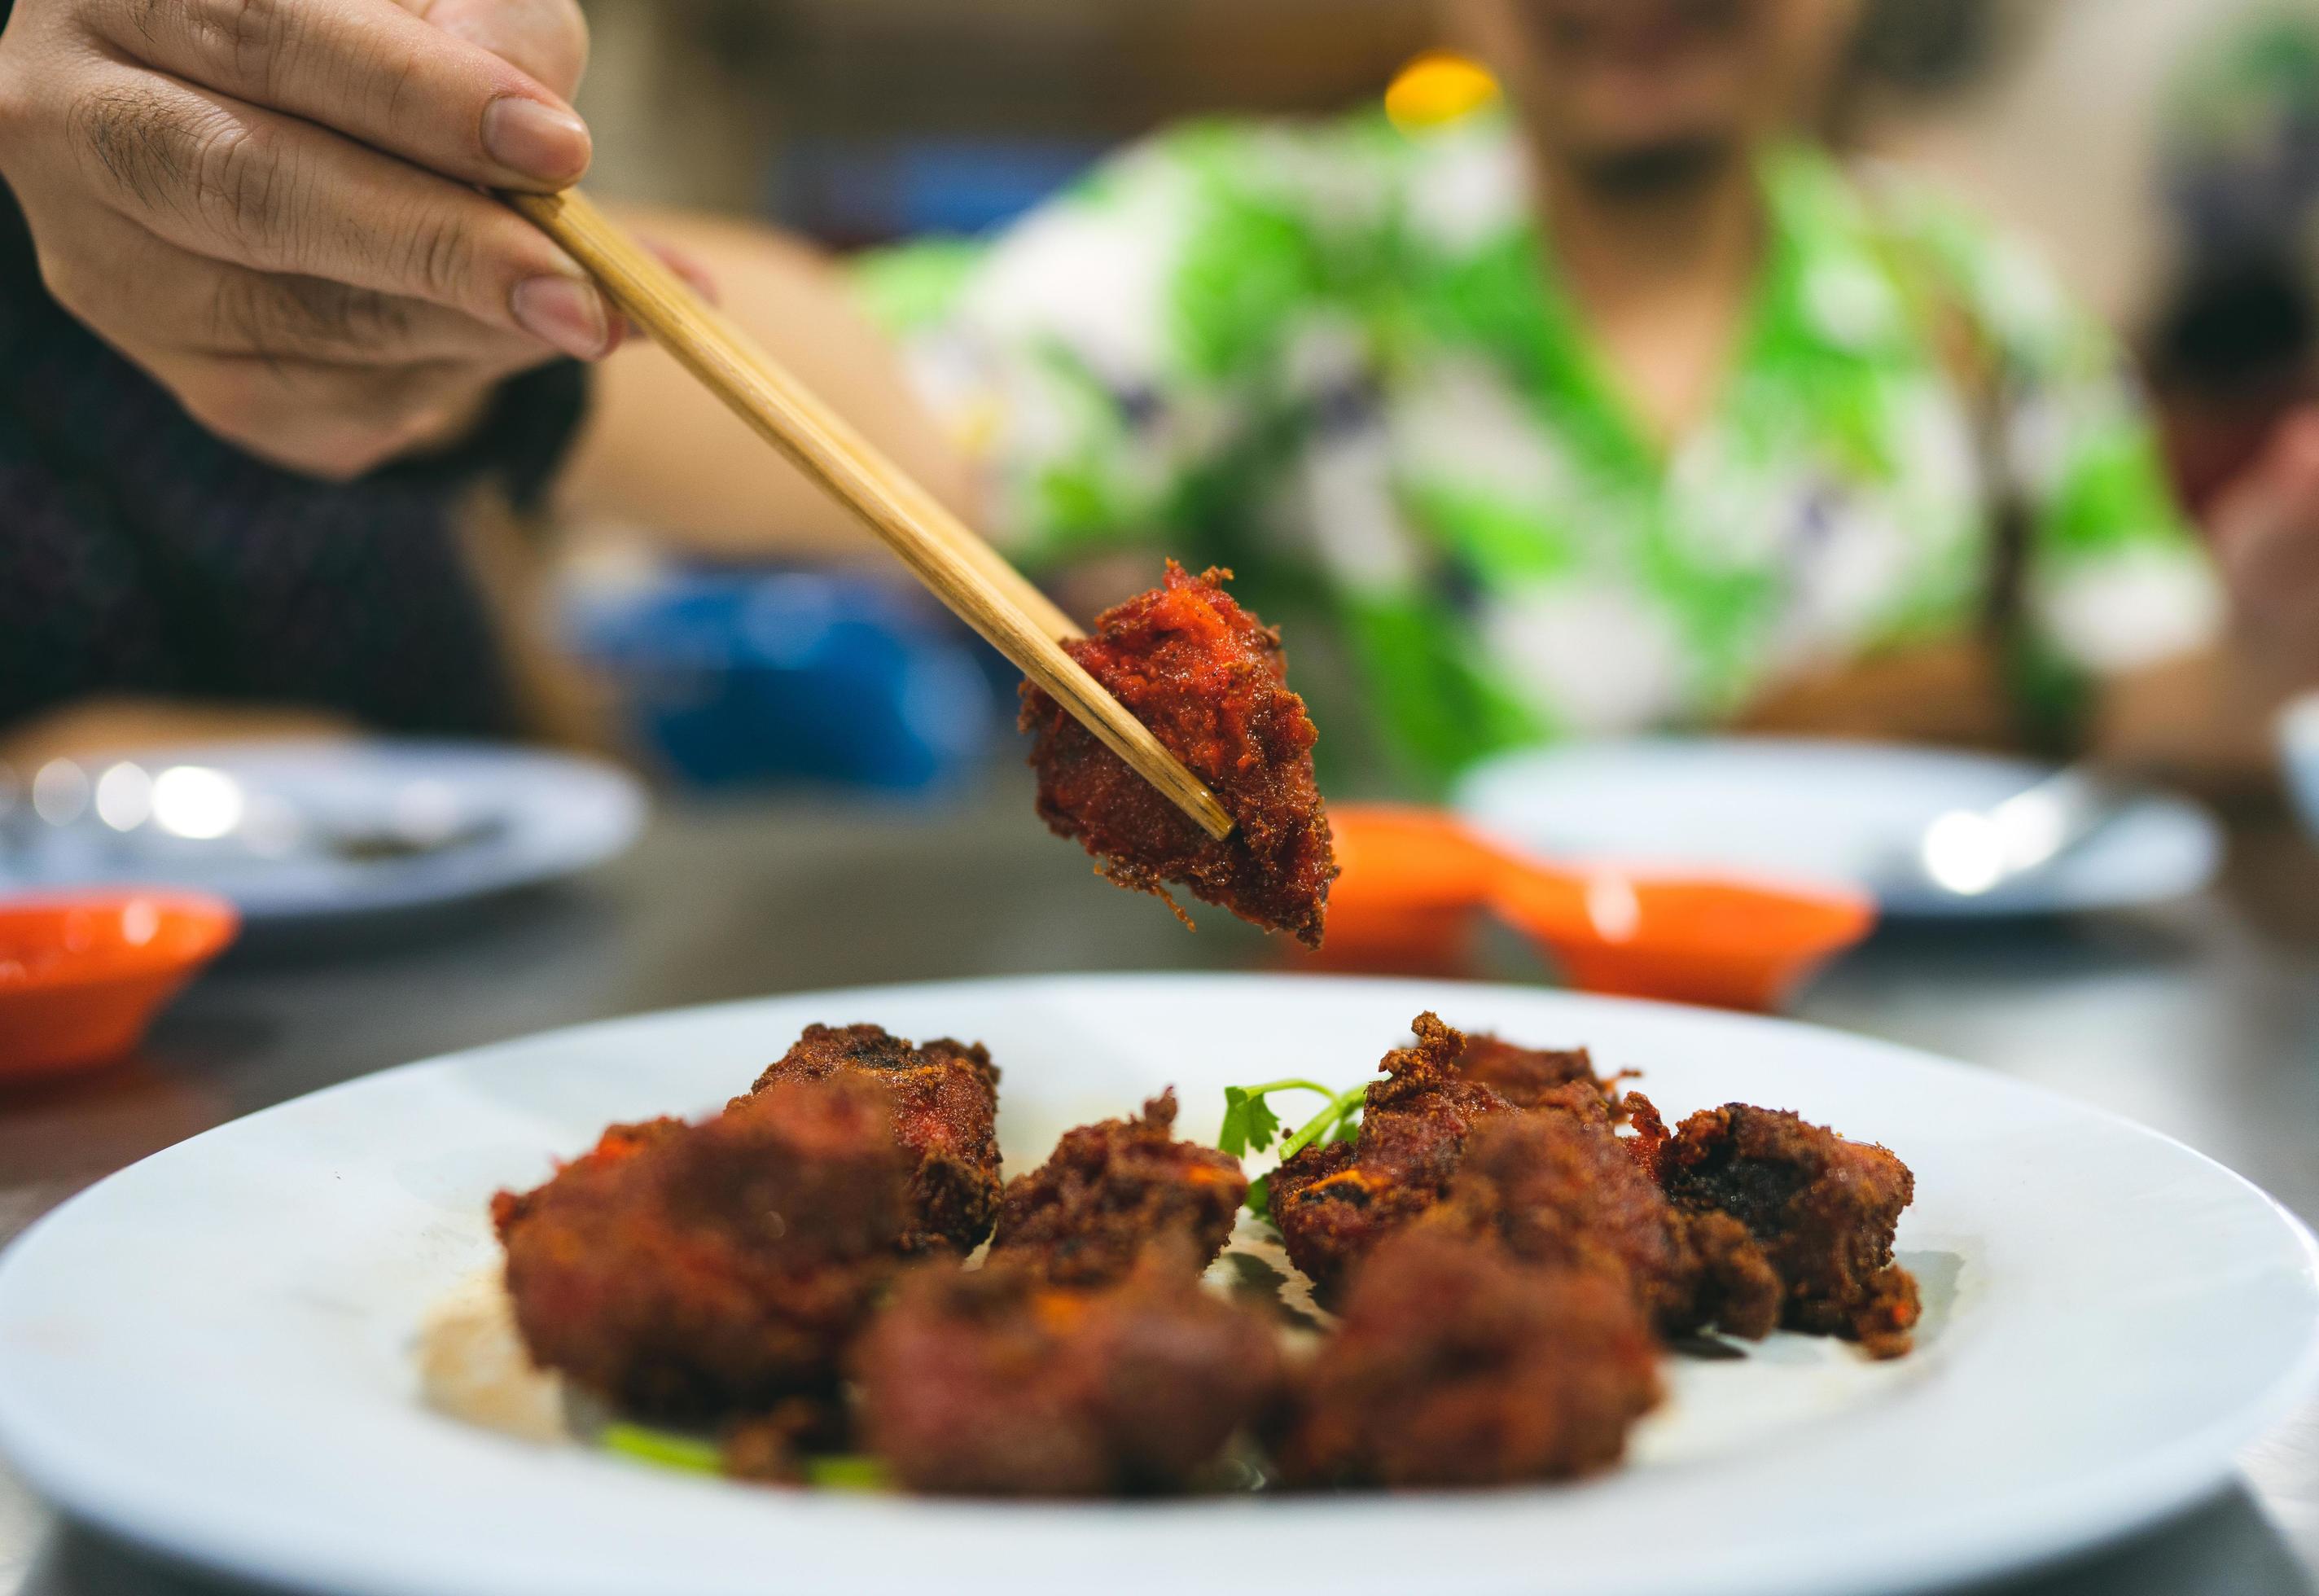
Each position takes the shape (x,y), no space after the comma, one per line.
(1335,357)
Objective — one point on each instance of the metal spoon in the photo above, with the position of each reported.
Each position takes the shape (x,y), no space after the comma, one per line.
(1971,853)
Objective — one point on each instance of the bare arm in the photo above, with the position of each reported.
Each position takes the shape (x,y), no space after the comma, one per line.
(2208,719)
(2203,720)
(660,452)
(97,728)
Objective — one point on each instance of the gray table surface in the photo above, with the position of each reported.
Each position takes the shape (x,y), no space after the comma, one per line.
(2201,1019)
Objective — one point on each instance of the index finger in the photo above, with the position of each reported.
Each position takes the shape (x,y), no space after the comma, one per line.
(547,38)
(372,72)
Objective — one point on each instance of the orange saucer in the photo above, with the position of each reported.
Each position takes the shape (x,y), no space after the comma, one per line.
(1731,944)
(1405,901)
(1415,882)
(83,975)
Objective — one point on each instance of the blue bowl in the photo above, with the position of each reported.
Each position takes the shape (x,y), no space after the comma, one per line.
(767,678)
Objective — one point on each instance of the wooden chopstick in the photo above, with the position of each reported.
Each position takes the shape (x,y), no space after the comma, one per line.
(964,571)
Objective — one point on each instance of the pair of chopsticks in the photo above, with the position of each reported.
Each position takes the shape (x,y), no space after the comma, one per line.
(962,570)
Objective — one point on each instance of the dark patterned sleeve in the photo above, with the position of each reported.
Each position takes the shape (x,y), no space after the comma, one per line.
(140,555)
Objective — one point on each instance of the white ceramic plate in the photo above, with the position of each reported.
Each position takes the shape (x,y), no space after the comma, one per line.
(212,1352)
(532,816)
(1822,811)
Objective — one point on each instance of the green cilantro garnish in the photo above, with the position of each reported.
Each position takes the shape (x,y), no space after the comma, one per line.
(1251,1126)
(662,1449)
(1259,1197)
(847,1472)
(690,1455)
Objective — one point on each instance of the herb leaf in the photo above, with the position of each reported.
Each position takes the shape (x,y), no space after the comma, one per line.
(661,1448)
(847,1471)
(1249,1124)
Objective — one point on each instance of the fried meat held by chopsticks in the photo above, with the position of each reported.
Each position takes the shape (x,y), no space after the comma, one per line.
(1207,678)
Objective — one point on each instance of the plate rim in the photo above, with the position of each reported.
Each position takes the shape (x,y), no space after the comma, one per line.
(2083,1513)
(626,813)
(2180,807)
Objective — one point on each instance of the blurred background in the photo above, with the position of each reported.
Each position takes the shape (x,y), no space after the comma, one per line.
(2163,158)
(2160,158)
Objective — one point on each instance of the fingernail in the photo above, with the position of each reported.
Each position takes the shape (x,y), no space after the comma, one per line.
(537,140)
(564,313)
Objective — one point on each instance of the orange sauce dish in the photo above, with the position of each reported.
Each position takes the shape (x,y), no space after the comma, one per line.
(84,975)
(1416,882)
(1729,943)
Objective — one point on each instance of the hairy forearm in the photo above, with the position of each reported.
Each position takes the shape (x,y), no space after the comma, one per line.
(661,453)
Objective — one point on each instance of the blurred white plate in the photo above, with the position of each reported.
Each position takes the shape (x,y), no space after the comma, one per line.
(1823,811)
(211,1353)
(515,817)
(2298,740)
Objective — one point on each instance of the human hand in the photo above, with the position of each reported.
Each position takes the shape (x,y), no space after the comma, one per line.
(271,206)
(2265,530)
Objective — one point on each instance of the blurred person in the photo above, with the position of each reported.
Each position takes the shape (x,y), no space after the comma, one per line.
(2234,349)
(1619,407)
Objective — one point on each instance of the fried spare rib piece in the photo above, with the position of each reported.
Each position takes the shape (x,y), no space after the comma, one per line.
(945,1098)
(1823,1209)
(1110,1191)
(1457,1365)
(687,1271)
(1536,1077)
(1562,1190)
(996,1383)
(1207,678)
(1334,1201)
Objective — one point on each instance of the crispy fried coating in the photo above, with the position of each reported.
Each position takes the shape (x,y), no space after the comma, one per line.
(1208,679)
(945,1116)
(995,1382)
(685,1271)
(1457,1365)
(1562,1190)
(1823,1209)
(1112,1189)
(1733,1286)
(1334,1201)
(1647,1145)
(616,1146)
(1535,1078)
